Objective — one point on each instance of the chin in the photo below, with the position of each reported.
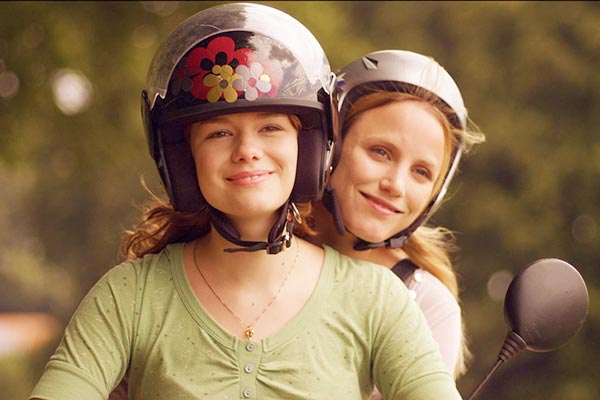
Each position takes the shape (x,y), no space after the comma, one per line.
(374,240)
(371,235)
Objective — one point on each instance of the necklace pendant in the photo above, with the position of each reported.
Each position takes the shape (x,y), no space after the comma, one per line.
(249,332)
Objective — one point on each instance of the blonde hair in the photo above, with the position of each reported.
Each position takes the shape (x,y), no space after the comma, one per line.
(428,247)
(161,225)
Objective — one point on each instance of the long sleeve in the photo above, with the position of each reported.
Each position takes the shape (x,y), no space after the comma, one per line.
(407,363)
(93,354)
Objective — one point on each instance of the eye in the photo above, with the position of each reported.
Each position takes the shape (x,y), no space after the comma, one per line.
(271,128)
(424,172)
(379,152)
(202,131)
(217,134)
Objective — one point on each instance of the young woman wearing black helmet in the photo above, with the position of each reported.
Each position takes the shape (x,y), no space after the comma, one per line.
(217,300)
(404,128)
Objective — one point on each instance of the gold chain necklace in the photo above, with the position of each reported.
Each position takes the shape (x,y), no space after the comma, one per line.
(249,328)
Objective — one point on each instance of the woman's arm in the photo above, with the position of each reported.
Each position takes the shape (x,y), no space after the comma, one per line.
(407,363)
(93,354)
(443,316)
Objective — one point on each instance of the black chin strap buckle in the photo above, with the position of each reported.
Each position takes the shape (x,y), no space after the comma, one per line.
(284,241)
(391,243)
(396,242)
(277,245)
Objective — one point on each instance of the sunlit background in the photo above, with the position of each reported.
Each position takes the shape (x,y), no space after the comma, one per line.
(72,152)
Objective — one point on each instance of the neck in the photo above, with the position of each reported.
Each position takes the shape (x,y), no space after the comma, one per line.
(241,266)
(253,229)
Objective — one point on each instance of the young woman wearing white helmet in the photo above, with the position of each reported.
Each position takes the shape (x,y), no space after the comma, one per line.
(403,126)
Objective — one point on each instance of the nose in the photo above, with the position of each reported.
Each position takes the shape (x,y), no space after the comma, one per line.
(394,182)
(247,148)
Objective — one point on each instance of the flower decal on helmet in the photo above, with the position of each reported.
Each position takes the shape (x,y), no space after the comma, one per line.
(181,81)
(220,82)
(213,67)
(219,71)
(253,82)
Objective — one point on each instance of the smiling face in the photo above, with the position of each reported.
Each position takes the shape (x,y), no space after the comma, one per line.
(391,159)
(246,164)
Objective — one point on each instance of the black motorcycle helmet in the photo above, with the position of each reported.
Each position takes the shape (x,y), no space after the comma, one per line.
(395,70)
(232,58)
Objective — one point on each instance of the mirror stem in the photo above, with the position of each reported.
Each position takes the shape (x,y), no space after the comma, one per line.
(513,344)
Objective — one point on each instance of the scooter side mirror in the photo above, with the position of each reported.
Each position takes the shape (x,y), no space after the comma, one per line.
(545,305)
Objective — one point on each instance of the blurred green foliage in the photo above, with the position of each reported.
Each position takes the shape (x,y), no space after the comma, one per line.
(529,75)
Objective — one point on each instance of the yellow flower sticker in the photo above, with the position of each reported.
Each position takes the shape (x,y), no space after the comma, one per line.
(221,83)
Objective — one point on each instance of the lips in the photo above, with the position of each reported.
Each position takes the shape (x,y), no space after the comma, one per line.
(380,205)
(249,177)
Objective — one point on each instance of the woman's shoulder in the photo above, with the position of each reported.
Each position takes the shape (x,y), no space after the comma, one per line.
(364,272)
(345,261)
(154,262)
(126,281)
(429,292)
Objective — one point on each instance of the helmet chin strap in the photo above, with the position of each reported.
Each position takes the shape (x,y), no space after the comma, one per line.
(280,235)
(331,203)
(392,243)
(396,241)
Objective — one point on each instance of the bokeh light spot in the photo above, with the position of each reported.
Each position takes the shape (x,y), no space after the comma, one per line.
(498,284)
(144,36)
(162,8)
(9,84)
(584,228)
(72,91)
(33,35)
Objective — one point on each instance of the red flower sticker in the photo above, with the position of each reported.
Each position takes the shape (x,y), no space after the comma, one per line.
(211,61)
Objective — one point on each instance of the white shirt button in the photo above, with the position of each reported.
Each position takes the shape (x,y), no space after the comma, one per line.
(248,368)
(250,346)
(247,393)
(418,276)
